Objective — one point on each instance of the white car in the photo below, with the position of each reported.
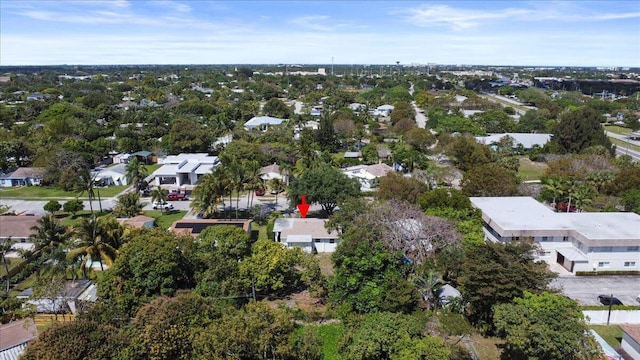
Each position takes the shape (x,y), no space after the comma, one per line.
(162,205)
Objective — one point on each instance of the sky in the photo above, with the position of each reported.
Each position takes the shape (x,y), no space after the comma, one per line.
(535,33)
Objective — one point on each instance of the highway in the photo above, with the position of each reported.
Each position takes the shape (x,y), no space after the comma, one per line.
(621,150)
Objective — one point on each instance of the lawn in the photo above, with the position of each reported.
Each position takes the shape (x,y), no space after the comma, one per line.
(617,129)
(164,220)
(152,168)
(330,334)
(611,334)
(40,192)
(530,170)
(487,347)
(67,220)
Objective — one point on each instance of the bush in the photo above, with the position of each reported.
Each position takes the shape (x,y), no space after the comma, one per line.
(607,273)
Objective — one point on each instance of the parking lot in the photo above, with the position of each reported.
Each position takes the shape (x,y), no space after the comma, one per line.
(585,289)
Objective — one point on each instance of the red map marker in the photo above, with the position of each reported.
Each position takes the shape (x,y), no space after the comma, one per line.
(303,207)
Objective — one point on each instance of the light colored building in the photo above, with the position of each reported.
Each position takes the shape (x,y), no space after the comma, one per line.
(270,172)
(631,340)
(19,229)
(306,233)
(23,176)
(113,175)
(262,122)
(577,241)
(184,169)
(527,140)
(15,336)
(368,175)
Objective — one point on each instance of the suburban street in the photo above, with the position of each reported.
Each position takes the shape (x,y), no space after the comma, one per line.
(621,150)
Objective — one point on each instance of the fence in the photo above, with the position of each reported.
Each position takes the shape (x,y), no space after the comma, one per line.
(599,317)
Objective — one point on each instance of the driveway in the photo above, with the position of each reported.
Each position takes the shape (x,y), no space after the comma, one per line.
(585,289)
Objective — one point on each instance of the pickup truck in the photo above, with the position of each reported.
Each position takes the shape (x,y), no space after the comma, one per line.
(162,205)
(172,196)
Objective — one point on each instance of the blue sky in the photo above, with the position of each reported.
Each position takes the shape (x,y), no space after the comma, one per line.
(570,33)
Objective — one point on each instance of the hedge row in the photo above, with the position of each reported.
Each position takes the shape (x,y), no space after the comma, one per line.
(607,273)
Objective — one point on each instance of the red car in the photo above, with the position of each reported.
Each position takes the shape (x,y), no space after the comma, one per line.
(173,196)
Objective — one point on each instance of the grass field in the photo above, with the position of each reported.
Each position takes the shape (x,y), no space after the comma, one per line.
(617,129)
(530,170)
(330,334)
(165,219)
(487,347)
(46,192)
(151,168)
(612,334)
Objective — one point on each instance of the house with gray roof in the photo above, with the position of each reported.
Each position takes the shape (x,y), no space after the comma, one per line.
(576,241)
(15,336)
(184,169)
(262,122)
(309,234)
(527,140)
(22,176)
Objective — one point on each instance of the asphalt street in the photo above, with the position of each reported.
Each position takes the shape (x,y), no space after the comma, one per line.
(585,289)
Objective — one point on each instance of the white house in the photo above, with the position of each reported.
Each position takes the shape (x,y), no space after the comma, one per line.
(184,169)
(270,172)
(631,340)
(23,176)
(382,110)
(368,175)
(527,140)
(113,175)
(261,122)
(306,233)
(577,241)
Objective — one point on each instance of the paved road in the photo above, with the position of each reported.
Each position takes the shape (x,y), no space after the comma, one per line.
(585,289)
(421,120)
(621,150)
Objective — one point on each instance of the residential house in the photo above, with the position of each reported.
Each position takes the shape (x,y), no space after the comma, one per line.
(353,155)
(193,227)
(121,158)
(23,176)
(307,233)
(368,175)
(262,122)
(446,293)
(145,157)
(383,110)
(270,172)
(15,336)
(384,155)
(184,169)
(630,342)
(69,299)
(19,229)
(576,241)
(113,175)
(526,140)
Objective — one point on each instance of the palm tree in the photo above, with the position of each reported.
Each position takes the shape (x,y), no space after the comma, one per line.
(5,247)
(88,185)
(253,180)
(48,238)
(207,194)
(237,180)
(95,239)
(159,195)
(277,185)
(427,285)
(136,173)
(554,186)
(583,196)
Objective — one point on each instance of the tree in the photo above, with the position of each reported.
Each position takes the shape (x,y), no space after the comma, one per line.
(276,108)
(208,193)
(489,180)
(77,340)
(88,183)
(96,239)
(277,186)
(631,200)
(185,136)
(397,187)
(257,331)
(159,195)
(49,237)
(326,136)
(128,205)
(165,327)
(136,172)
(152,262)
(324,185)
(468,153)
(5,247)
(496,273)
(52,206)
(578,130)
(273,267)
(73,206)
(388,335)
(546,326)
(342,219)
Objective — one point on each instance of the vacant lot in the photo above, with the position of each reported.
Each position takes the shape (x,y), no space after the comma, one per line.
(530,170)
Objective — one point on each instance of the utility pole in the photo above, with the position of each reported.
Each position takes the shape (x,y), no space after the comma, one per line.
(332,66)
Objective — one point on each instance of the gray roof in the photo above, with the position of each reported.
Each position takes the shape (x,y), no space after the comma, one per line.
(526,139)
(262,120)
(297,227)
(447,291)
(524,216)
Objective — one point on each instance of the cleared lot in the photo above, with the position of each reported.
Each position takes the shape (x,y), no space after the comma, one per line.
(585,289)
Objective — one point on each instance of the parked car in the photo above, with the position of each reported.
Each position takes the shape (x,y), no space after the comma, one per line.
(609,300)
(173,196)
(274,192)
(259,191)
(162,205)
